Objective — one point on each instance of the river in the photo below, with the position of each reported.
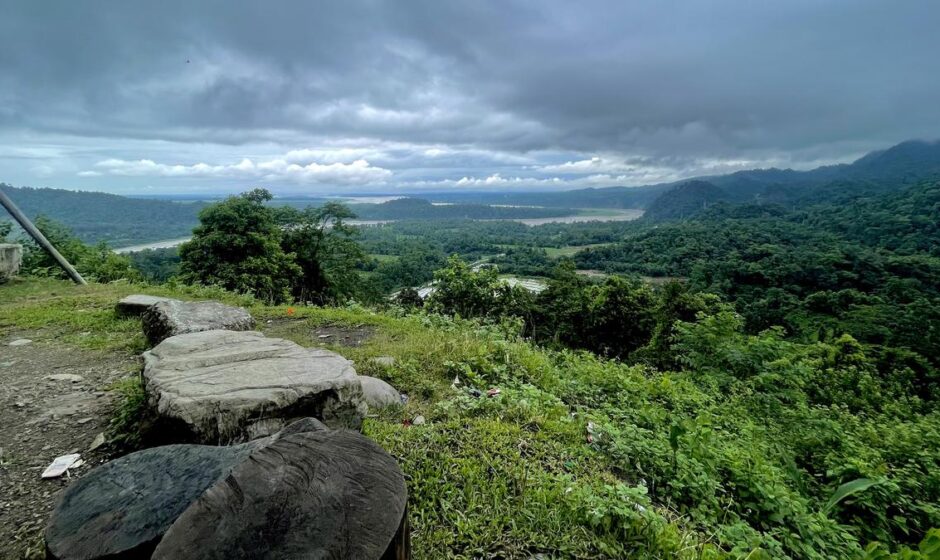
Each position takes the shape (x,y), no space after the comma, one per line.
(612,216)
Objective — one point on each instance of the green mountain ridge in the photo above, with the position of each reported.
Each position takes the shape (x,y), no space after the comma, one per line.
(120,221)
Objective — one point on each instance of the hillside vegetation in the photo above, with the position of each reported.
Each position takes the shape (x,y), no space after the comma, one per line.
(758,379)
(684,201)
(755,447)
(117,220)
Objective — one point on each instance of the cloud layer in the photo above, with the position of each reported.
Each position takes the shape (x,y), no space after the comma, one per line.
(389,96)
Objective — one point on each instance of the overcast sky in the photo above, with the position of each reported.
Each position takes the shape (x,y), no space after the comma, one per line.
(343,97)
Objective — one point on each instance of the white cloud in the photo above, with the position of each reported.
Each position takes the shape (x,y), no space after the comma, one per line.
(356,172)
(497,180)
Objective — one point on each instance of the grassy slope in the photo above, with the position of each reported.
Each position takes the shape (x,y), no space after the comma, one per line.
(515,475)
(511,475)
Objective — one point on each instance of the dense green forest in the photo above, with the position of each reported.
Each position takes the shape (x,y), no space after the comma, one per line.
(684,201)
(762,375)
(867,266)
(94,217)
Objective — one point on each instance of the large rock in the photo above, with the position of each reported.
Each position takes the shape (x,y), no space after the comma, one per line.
(323,494)
(172,317)
(11,256)
(136,304)
(306,492)
(377,393)
(223,386)
(123,508)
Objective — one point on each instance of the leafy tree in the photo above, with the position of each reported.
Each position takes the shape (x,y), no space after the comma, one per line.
(5,228)
(238,246)
(561,314)
(102,264)
(157,265)
(324,249)
(96,263)
(409,297)
(460,290)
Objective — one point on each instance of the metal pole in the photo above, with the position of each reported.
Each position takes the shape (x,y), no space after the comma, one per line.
(40,238)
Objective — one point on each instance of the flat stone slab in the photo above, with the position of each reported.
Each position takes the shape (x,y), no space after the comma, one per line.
(173,317)
(322,494)
(378,393)
(223,386)
(136,304)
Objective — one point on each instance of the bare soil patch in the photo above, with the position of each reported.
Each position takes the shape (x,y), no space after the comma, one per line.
(323,335)
(54,400)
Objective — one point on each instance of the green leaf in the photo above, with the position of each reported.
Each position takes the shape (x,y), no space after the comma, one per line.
(848,489)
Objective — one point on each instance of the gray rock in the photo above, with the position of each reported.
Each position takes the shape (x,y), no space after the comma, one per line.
(72,377)
(322,494)
(172,317)
(222,386)
(20,342)
(97,442)
(123,508)
(11,256)
(136,304)
(377,393)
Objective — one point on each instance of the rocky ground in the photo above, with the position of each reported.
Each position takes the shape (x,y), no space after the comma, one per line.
(54,400)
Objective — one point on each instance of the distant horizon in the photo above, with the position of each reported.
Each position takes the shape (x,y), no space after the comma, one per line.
(338,194)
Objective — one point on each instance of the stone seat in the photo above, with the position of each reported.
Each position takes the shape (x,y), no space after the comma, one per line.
(225,386)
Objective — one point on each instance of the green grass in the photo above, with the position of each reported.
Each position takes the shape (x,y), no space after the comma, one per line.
(675,466)
(84,316)
(509,476)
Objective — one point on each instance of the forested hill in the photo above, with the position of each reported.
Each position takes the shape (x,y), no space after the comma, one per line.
(684,201)
(881,171)
(118,220)
(867,266)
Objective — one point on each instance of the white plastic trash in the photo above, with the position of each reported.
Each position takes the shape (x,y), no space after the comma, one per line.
(61,464)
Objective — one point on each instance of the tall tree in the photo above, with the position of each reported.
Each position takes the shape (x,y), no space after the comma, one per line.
(324,248)
(238,246)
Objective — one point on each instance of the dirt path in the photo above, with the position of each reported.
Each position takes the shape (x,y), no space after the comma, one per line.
(53,401)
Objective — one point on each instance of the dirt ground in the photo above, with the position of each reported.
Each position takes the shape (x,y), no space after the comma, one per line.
(54,400)
(325,335)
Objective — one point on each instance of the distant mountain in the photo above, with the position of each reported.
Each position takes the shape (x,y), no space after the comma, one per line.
(607,197)
(684,201)
(909,162)
(95,216)
(881,171)
(877,172)
(127,221)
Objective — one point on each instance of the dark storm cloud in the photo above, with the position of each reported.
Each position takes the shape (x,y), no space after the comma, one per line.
(430,92)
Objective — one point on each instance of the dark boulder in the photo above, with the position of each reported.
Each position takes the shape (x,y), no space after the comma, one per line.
(122,508)
(306,492)
(323,494)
